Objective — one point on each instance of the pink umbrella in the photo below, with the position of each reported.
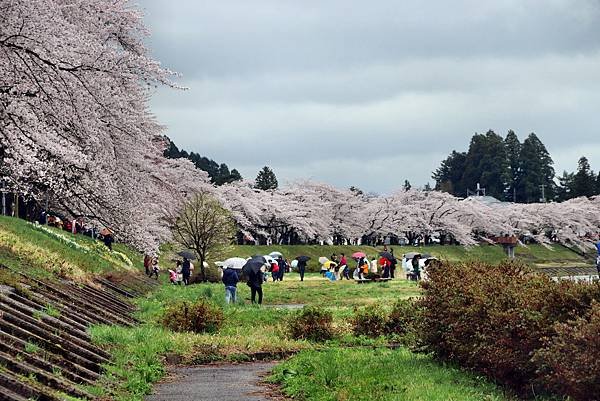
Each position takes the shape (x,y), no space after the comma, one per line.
(358,255)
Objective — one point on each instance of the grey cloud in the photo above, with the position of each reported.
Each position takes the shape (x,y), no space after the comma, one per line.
(311,86)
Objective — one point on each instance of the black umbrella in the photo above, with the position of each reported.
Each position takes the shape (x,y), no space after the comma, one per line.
(187,254)
(260,258)
(303,258)
(252,266)
(388,256)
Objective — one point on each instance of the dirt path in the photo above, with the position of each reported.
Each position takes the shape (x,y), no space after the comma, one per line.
(214,382)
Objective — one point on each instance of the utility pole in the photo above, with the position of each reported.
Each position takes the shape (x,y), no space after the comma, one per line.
(543,187)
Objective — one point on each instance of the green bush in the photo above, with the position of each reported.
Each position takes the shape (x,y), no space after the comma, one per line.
(569,364)
(369,321)
(311,323)
(404,323)
(198,317)
(493,318)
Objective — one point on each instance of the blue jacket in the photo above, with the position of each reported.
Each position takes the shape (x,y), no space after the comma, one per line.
(230,278)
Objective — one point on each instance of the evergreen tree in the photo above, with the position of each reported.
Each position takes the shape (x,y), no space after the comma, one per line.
(536,175)
(584,180)
(486,164)
(219,174)
(449,176)
(565,185)
(513,151)
(266,179)
(235,176)
(406,185)
(223,174)
(598,184)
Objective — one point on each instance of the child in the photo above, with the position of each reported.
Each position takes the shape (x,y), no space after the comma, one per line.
(173,276)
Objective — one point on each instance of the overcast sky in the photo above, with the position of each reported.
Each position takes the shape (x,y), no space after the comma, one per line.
(370,93)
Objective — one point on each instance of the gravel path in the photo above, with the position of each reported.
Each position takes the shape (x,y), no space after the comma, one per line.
(214,382)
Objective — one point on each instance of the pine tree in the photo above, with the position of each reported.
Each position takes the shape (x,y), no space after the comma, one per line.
(235,176)
(565,185)
(449,176)
(266,179)
(513,151)
(536,176)
(486,164)
(406,185)
(584,180)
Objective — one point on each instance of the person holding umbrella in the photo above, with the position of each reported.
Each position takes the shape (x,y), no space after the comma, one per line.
(254,270)
(302,265)
(186,270)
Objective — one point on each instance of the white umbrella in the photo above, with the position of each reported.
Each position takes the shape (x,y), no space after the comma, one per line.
(294,264)
(234,263)
(322,260)
(276,254)
(269,259)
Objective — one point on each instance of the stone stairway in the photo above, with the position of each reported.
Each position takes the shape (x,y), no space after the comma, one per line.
(45,351)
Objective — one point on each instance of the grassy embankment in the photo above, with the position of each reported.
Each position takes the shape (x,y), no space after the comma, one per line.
(41,251)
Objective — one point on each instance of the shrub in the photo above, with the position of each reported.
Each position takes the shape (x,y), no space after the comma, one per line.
(369,321)
(312,323)
(493,318)
(198,317)
(404,323)
(569,364)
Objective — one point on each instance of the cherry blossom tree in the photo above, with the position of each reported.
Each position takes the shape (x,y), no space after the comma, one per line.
(75,79)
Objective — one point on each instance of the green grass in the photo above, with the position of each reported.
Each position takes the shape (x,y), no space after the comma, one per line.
(378,375)
(532,254)
(27,248)
(136,360)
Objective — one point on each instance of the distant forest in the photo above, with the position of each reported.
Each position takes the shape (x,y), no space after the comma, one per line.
(513,171)
(219,173)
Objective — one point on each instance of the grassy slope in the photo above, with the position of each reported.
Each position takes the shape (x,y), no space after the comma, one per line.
(27,248)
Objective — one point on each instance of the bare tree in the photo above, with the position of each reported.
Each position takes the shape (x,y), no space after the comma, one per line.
(205,227)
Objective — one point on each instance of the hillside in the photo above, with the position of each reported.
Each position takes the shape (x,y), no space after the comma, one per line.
(43,251)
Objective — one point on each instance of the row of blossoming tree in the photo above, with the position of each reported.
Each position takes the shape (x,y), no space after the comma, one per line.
(312,211)
(75,128)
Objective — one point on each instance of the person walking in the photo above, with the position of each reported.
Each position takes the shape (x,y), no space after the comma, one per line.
(186,271)
(282,267)
(255,282)
(301,268)
(230,280)
(393,264)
